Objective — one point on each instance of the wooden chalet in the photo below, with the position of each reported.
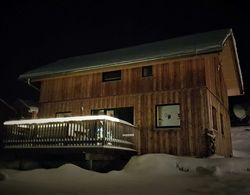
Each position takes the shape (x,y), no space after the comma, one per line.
(175,92)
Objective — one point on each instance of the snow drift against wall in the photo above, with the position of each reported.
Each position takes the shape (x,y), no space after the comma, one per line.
(241,141)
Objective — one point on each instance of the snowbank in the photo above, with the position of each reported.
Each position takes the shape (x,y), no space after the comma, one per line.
(241,141)
(146,174)
(163,164)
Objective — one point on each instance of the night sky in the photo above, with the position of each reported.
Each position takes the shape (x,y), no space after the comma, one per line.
(35,33)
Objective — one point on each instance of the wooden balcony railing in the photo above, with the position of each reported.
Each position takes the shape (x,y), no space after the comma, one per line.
(82,131)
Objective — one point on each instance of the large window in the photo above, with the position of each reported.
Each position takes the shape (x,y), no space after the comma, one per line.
(168,116)
(111,76)
(125,113)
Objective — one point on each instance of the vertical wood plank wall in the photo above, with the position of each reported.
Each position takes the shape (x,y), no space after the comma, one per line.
(217,98)
(183,81)
(168,75)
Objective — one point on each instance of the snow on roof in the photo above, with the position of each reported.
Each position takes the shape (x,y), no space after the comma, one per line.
(201,43)
(65,119)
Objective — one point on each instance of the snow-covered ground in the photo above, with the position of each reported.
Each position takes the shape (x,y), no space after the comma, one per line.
(241,141)
(146,174)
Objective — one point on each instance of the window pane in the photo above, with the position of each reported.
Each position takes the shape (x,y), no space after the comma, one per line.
(111,76)
(221,124)
(147,71)
(110,112)
(168,115)
(125,113)
(214,115)
(98,112)
(63,114)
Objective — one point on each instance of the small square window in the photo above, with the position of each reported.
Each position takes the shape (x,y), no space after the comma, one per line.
(111,76)
(147,71)
(168,116)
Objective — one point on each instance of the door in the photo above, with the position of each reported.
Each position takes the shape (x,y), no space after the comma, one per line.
(124,113)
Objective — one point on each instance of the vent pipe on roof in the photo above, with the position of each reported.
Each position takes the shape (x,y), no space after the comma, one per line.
(31,85)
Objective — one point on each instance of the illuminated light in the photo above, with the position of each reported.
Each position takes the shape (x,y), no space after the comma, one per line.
(66,119)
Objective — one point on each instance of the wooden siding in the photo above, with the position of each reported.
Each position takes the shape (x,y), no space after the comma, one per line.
(223,140)
(169,75)
(218,98)
(215,80)
(196,83)
(231,70)
(174,141)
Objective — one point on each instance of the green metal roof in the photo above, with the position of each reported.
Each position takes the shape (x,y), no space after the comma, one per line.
(201,43)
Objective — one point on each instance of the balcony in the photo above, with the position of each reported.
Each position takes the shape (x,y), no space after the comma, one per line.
(98,134)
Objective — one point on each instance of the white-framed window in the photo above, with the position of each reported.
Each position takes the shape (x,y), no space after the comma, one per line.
(167,115)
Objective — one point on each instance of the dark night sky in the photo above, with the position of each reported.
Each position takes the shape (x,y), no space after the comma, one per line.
(34,33)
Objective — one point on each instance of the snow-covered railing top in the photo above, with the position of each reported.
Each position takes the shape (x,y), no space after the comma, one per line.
(66,119)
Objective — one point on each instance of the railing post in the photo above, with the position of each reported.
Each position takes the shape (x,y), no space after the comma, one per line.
(104,131)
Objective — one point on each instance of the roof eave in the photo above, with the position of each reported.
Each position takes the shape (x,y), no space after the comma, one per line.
(238,65)
(44,75)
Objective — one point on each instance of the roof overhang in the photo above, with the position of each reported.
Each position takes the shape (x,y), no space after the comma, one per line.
(190,45)
(231,67)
